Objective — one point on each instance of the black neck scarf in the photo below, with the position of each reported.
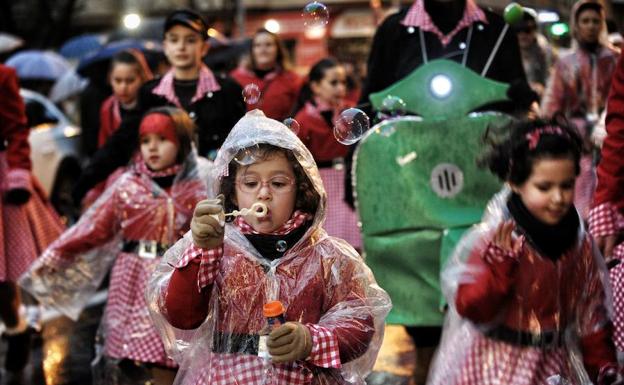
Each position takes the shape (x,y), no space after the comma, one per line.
(550,240)
(274,246)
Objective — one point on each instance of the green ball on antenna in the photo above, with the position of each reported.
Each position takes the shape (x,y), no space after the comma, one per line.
(513,13)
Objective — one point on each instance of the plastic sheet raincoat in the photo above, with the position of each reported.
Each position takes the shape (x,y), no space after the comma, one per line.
(131,225)
(523,319)
(321,280)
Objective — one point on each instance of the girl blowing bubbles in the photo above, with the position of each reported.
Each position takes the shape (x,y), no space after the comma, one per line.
(525,287)
(218,278)
(134,221)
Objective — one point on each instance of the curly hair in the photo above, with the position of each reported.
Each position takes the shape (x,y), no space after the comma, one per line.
(511,156)
(307,198)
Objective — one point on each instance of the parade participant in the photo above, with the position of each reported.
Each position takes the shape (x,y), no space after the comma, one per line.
(217,279)
(28,222)
(461,31)
(606,218)
(215,103)
(537,54)
(128,72)
(145,211)
(579,86)
(320,103)
(456,30)
(525,286)
(269,69)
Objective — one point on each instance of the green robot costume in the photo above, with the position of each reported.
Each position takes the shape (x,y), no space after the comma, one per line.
(417,186)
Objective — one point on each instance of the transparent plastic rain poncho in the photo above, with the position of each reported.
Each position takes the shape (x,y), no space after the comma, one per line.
(522,322)
(133,208)
(320,280)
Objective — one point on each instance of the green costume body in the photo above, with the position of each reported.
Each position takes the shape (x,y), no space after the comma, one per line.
(417,186)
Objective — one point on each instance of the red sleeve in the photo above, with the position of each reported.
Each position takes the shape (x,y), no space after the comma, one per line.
(611,167)
(489,277)
(186,307)
(13,122)
(105,121)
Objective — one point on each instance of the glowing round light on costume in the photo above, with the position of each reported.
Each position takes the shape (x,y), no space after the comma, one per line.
(281,246)
(272,26)
(251,93)
(315,14)
(292,125)
(132,21)
(441,86)
(351,126)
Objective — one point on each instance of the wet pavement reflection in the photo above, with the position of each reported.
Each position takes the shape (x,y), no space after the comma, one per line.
(63,351)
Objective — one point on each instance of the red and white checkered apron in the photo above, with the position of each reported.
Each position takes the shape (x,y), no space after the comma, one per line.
(130,332)
(489,362)
(25,230)
(616,276)
(341,221)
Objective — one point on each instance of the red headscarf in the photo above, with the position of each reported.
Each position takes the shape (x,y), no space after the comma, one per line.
(161,124)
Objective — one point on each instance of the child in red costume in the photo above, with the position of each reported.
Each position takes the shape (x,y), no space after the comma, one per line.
(133,222)
(217,279)
(526,288)
(321,101)
(28,223)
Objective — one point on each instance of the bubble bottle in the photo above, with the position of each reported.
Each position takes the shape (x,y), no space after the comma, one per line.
(274,313)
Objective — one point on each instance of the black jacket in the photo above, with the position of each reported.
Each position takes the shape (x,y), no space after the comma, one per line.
(396,52)
(215,114)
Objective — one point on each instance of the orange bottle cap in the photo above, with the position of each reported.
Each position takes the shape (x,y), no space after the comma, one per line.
(273,309)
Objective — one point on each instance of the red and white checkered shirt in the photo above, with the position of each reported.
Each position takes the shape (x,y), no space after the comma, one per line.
(206,83)
(209,259)
(418,17)
(605,220)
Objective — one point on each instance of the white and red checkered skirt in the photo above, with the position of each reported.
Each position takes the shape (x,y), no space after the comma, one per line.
(129,330)
(342,220)
(616,276)
(487,362)
(25,230)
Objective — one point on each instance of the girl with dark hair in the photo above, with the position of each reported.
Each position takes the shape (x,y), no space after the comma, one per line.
(526,288)
(269,69)
(320,103)
(147,209)
(128,72)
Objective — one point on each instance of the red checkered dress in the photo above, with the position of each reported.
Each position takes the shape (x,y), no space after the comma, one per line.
(605,220)
(138,209)
(27,229)
(418,17)
(239,279)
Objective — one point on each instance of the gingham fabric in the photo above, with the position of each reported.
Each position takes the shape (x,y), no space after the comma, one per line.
(129,329)
(491,362)
(495,254)
(605,220)
(132,210)
(245,369)
(342,220)
(25,230)
(585,186)
(209,259)
(418,17)
(616,276)
(206,83)
(142,168)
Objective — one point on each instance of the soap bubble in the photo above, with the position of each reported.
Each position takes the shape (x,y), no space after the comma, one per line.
(315,15)
(281,246)
(251,93)
(351,126)
(292,124)
(394,106)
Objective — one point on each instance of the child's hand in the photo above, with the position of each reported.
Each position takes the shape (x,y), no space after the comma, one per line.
(206,230)
(503,238)
(290,342)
